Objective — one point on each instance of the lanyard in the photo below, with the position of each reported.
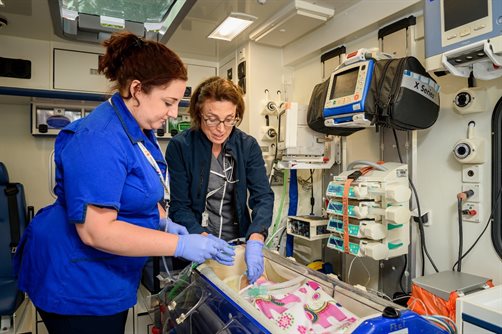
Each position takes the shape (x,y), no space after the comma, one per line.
(163,180)
(226,180)
(224,176)
(155,165)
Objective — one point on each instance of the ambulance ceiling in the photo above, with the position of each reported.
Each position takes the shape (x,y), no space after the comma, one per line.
(182,24)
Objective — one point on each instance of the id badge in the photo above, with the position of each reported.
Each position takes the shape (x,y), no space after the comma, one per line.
(205,219)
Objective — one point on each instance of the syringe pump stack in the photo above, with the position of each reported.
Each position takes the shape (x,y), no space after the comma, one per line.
(377,215)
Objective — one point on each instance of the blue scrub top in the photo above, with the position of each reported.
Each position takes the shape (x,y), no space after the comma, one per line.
(98,162)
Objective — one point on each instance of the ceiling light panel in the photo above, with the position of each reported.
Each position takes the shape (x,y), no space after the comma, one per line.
(232,26)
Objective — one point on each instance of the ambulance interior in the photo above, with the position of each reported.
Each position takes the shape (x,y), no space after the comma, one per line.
(392,217)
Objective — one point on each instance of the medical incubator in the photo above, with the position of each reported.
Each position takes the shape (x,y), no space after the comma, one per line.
(212,298)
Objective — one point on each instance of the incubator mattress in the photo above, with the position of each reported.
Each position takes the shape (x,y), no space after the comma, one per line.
(291,302)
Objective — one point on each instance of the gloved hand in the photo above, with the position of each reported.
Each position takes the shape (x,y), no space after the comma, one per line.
(197,248)
(226,256)
(254,260)
(167,225)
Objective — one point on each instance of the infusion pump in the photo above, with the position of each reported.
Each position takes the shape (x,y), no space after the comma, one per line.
(370,215)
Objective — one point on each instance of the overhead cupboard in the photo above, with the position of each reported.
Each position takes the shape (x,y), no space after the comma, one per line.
(78,71)
(53,66)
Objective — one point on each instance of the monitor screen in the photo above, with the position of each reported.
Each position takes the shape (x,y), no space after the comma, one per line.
(460,12)
(344,83)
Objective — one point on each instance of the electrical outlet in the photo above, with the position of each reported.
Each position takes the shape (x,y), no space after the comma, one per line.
(474,187)
(474,216)
(268,133)
(471,173)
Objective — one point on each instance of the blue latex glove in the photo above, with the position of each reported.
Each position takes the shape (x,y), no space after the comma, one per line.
(254,260)
(167,225)
(226,256)
(197,248)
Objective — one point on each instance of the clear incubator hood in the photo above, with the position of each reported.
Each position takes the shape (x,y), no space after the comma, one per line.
(288,298)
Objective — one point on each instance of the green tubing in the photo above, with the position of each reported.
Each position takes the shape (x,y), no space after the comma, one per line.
(285,175)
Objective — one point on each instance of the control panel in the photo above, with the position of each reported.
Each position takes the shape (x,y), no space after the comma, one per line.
(308,227)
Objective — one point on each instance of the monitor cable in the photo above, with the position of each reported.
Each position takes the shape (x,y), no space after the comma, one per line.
(460,234)
(423,245)
(490,220)
(312,199)
(461,197)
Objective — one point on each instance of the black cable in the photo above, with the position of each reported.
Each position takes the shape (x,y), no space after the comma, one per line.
(474,244)
(423,246)
(460,234)
(490,219)
(401,160)
(422,232)
(471,80)
(280,239)
(397,146)
(402,273)
(312,199)
(276,152)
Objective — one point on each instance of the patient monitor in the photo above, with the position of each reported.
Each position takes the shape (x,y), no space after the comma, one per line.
(463,36)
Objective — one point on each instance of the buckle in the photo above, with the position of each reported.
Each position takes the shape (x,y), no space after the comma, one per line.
(11,191)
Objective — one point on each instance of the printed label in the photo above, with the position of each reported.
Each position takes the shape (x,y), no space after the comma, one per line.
(421,85)
(401,331)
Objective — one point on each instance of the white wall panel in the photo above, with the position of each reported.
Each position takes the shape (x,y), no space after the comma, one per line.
(26,157)
(438,173)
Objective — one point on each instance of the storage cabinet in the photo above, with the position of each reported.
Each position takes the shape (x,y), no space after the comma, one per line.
(78,71)
(36,52)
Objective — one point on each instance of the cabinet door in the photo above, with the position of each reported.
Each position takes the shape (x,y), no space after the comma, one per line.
(78,71)
(37,52)
(199,73)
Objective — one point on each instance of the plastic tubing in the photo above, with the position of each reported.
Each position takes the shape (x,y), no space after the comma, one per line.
(281,205)
(366,163)
(274,289)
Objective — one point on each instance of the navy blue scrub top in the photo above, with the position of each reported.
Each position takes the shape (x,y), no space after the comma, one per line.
(98,162)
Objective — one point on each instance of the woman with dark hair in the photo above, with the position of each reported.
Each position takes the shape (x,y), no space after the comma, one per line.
(81,258)
(218,173)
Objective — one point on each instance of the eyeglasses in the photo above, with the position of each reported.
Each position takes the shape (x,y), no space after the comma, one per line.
(228,122)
